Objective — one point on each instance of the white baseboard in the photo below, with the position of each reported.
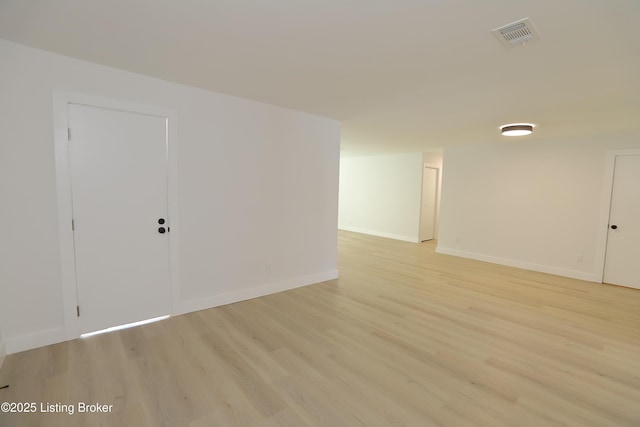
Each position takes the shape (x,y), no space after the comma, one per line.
(379,233)
(255,292)
(56,335)
(35,340)
(591,277)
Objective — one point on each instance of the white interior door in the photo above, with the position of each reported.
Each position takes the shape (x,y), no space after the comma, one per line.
(118,163)
(428,209)
(622,262)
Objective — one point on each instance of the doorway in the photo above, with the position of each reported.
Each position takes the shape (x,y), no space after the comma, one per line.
(623,233)
(428,208)
(117,246)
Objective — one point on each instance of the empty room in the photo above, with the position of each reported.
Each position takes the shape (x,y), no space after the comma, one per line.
(320,213)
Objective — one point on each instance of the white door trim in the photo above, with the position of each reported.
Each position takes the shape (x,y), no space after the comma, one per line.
(61,100)
(607,192)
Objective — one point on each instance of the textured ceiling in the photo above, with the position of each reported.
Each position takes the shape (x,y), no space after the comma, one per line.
(401,75)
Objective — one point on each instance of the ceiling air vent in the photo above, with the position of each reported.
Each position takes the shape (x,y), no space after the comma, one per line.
(517,33)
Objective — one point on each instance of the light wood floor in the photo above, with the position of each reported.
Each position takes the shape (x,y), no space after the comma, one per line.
(404,337)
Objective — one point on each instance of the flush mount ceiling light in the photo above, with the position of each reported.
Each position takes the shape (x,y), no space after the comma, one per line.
(517,129)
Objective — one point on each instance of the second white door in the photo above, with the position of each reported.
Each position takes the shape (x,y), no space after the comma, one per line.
(622,262)
(118,162)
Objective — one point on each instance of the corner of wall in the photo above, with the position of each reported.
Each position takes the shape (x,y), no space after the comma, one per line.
(34,340)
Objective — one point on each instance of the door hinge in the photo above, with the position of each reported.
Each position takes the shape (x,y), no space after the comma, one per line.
(68,134)
(78,310)
(73,225)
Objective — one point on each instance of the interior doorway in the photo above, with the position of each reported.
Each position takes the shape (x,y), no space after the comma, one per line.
(621,266)
(116,175)
(428,210)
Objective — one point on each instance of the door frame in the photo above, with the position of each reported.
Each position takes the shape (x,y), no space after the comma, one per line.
(61,99)
(436,219)
(605,211)
(436,207)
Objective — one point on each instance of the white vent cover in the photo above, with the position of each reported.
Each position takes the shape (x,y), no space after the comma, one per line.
(517,33)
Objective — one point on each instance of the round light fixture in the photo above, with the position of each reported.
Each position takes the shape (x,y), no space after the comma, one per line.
(517,129)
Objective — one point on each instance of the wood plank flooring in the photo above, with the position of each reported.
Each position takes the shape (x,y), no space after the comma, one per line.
(405,337)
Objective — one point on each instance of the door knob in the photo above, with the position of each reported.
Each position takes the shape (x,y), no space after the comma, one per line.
(613,227)
(161,221)
(161,230)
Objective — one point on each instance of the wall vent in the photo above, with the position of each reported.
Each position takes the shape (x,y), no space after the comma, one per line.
(517,33)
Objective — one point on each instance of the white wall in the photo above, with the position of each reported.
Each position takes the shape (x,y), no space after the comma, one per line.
(257,186)
(2,349)
(433,159)
(535,206)
(381,195)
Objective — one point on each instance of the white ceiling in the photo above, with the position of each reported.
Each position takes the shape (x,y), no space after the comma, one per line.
(401,75)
